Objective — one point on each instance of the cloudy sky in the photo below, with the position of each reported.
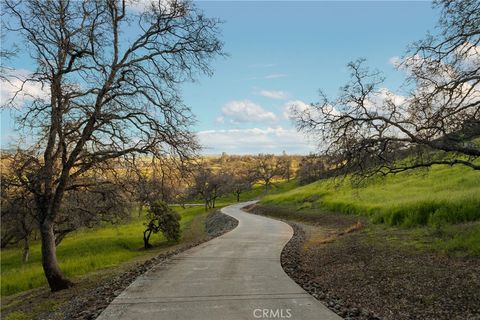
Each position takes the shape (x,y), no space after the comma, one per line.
(280,54)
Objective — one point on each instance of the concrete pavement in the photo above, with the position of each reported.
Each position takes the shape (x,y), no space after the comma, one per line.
(235,276)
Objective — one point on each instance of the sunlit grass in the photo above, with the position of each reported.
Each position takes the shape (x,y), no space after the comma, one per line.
(441,205)
(442,195)
(103,247)
(82,252)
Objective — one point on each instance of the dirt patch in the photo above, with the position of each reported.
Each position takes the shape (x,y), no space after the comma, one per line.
(360,274)
(326,220)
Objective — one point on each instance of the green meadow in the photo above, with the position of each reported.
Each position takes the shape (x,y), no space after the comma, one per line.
(443,202)
(108,246)
(85,251)
(441,195)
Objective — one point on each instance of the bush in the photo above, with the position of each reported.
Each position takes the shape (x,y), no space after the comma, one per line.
(162,218)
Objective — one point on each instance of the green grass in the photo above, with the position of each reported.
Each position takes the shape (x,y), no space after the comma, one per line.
(440,196)
(463,239)
(106,246)
(441,206)
(83,251)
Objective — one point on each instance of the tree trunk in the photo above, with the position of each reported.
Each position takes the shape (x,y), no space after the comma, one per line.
(55,277)
(26,250)
(238,196)
(146,238)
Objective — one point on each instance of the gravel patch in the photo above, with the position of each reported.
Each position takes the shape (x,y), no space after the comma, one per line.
(218,223)
(294,265)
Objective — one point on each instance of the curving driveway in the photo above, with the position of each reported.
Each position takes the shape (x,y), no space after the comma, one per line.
(235,276)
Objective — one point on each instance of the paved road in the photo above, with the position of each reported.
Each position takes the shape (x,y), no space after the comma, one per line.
(235,276)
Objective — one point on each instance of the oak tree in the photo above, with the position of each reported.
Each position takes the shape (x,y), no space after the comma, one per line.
(369,129)
(111,71)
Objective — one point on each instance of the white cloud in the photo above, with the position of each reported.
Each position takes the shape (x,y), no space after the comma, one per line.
(275,76)
(274,94)
(381,98)
(255,140)
(242,111)
(147,5)
(395,61)
(293,105)
(220,119)
(469,55)
(385,95)
(20,90)
(269,76)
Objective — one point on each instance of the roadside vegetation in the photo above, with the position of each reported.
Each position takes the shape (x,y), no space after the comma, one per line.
(88,250)
(93,256)
(442,202)
(109,244)
(438,196)
(396,247)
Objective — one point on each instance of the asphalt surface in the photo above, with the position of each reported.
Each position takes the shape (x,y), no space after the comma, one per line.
(235,276)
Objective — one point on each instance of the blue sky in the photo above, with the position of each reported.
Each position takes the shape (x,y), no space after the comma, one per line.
(280,54)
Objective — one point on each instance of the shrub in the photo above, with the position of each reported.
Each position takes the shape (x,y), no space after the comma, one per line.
(162,218)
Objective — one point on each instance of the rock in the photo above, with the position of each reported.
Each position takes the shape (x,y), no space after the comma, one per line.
(218,223)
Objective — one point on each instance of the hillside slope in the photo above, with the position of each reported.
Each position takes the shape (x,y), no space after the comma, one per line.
(440,196)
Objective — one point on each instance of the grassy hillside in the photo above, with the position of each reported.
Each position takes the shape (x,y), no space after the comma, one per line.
(85,251)
(442,203)
(442,195)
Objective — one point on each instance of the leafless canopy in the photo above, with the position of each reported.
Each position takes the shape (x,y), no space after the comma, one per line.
(110,72)
(369,129)
(266,168)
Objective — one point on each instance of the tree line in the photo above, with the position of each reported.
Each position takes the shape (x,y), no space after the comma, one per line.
(122,188)
(237,174)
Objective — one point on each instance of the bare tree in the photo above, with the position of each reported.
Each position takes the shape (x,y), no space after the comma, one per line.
(369,129)
(236,175)
(209,185)
(156,178)
(18,214)
(94,200)
(239,184)
(286,161)
(112,76)
(99,200)
(266,167)
(314,167)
